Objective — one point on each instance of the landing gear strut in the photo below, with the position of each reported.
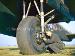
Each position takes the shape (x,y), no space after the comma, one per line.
(31,36)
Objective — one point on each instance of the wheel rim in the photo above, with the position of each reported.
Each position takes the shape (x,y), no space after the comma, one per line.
(35,30)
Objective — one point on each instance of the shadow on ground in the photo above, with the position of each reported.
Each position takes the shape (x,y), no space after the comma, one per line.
(13,48)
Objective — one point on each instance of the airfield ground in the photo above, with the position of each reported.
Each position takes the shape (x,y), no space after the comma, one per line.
(14,51)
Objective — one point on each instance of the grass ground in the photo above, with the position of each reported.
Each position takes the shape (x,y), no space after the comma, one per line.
(14,51)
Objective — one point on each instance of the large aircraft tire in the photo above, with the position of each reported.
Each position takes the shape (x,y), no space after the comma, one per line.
(26,36)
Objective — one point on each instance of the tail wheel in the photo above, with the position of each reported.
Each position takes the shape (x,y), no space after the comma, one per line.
(27,36)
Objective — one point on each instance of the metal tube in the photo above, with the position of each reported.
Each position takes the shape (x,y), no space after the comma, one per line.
(28,9)
(49,20)
(37,7)
(49,12)
(42,17)
(24,9)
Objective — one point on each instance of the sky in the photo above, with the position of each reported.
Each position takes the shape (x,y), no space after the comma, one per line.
(6,40)
(69,26)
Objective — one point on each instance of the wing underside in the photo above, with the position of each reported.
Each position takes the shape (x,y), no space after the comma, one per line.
(11,13)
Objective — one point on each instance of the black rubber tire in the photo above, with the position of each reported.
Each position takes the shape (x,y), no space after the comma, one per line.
(26,37)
